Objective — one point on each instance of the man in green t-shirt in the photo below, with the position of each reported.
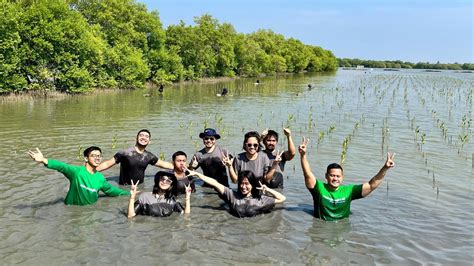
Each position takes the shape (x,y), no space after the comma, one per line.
(85,181)
(332,200)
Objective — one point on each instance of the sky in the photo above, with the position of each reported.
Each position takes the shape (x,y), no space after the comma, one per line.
(407,30)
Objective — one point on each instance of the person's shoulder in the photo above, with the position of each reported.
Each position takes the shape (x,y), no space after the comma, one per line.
(149,153)
(200,152)
(145,197)
(127,151)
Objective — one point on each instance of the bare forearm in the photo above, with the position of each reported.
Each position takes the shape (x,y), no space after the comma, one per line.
(106,165)
(290,154)
(187,209)
(279,198)
(309,178)
(212,182)
(269,176)
(131,208)
(164,164)
(378,178)
(233,175)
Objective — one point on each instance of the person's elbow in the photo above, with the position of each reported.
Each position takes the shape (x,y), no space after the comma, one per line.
(281,199)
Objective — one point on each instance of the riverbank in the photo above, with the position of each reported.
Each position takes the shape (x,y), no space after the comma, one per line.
(35,94)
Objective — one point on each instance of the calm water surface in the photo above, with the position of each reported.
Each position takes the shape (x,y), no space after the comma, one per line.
(421,214)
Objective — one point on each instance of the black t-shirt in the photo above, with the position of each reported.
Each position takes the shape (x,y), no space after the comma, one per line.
(211,164)
(148,204)
(247,207)
(133,165)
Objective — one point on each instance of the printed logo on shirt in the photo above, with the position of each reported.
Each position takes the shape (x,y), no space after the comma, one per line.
(335,201)
(88,188)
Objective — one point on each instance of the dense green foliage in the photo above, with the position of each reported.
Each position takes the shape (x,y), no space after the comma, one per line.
(79,45)
(346,62)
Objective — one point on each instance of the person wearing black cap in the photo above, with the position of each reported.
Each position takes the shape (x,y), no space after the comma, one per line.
(210,158)
(162,201)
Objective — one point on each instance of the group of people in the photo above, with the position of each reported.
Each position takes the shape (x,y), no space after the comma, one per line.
(258,172)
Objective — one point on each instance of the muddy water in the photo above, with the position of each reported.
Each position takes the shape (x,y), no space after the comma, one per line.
(422,213)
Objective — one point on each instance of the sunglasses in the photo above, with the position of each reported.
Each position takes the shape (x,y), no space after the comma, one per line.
(166,180)
(250,145)
(209,138)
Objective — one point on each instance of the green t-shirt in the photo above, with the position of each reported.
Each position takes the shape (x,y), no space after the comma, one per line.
(83,186)
(332,204)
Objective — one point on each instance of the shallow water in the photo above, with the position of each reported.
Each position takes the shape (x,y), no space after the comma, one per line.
(421,214)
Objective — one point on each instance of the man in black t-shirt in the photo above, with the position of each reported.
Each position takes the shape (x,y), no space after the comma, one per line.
(134,160)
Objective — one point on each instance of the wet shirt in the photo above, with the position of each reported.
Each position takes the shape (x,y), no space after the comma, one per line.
(148,204)
(247,207)
(84,187)
(277,181)
(133,165)
(334,205)
(182,183)
(211,164)
(259,166)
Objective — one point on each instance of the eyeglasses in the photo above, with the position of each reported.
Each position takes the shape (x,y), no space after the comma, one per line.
(95,156)
(250,145)
(166,180)
(144,135)
(209,138)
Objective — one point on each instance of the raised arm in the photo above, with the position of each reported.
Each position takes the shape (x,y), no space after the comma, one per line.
(370,186)
(187,208)
(229,163)
(38,157)
(290,153)
(164,164)
(279,198)
(309,178)
(269,175)
(131,202)
(106,164)
(210,181)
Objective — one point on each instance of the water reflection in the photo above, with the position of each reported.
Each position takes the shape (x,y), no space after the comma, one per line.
(404,222)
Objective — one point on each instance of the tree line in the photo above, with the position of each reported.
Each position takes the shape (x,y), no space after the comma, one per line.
(79,45)
(346,62)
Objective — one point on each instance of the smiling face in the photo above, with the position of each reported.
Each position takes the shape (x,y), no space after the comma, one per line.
(251,145)
(245,187)
(94,158)
(143,139)
(165,183)
(334,177)
(209,141)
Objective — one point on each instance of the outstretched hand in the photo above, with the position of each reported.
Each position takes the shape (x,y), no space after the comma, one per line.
(227,160)
(264,133)
(194,163)
(303,145)
(278,157)
(287,131)
(133,189)
(37,156)
(389,163)
(262,187)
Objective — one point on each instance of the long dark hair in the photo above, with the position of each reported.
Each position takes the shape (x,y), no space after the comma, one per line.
(172,191)
(252,180)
